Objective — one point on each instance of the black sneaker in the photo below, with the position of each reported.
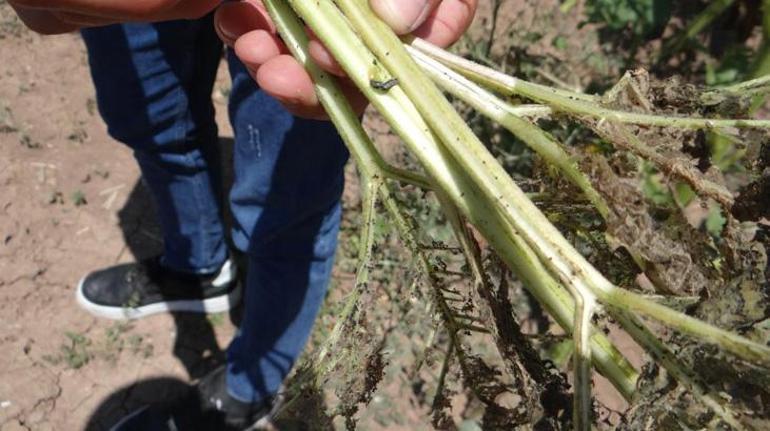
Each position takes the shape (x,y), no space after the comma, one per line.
(136,290)
(207,407)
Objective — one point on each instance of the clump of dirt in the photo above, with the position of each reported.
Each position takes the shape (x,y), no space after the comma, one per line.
(724,272)
(753,202)
(363,377)
(673,254)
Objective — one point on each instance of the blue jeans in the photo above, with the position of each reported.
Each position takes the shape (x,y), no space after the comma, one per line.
(153,86)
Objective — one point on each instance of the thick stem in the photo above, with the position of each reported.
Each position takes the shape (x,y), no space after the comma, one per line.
(741,346)
(511,246)
(508,85)
(583,402)
(492,180)
(662,355)
(370,191)
(441,168)
(453,179)
(758,85)
(501,112)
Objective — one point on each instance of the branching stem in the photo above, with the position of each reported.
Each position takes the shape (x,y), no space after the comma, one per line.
(503,113)
(461,169)
(570,104)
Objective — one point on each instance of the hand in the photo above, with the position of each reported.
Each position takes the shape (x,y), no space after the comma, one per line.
(246,26)
(61,16)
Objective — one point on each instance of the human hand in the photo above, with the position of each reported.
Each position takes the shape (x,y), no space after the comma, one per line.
(246,26)
(61,16)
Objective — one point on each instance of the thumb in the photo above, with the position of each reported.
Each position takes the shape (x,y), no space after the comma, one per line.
(403,16)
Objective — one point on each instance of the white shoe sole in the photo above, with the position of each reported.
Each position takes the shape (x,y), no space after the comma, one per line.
(217,304)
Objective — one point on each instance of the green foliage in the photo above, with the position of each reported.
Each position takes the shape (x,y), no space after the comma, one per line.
(75,353)
(715,221)
(653,188)
(642,17)
(78,198)
(732,67)
(726,152)
(79,349)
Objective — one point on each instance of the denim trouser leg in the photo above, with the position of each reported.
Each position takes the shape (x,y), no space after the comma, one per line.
(286,204)
(153,87)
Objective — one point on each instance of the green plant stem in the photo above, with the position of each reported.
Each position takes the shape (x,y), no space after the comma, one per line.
(404,176)
(521,260)
(452,178)
(522,220)
(679,168)
(561,259)
(740,346)
(444,371)
(508,86)
(501,112)
(492,180)
(609,361)
(758,85)
(585,305)
(695,27)
(662,355)
(761,66)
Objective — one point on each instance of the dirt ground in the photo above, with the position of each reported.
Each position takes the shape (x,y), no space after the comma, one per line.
(71,202)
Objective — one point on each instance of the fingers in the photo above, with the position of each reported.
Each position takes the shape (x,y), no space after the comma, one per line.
(403,16)
(286,80)
(440,22)
(323,58)
(234,19)
(43,22)
(246,27)
(282,77)
(61,16)
(447,22)
(257,47)
(122,11)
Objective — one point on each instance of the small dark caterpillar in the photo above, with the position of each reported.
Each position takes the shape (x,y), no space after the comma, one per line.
(383,85)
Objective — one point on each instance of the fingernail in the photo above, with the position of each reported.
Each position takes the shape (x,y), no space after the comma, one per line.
(222,20)
(233,20)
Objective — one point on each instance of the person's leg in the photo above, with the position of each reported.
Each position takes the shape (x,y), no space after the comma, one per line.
(153,85)
(286,204)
